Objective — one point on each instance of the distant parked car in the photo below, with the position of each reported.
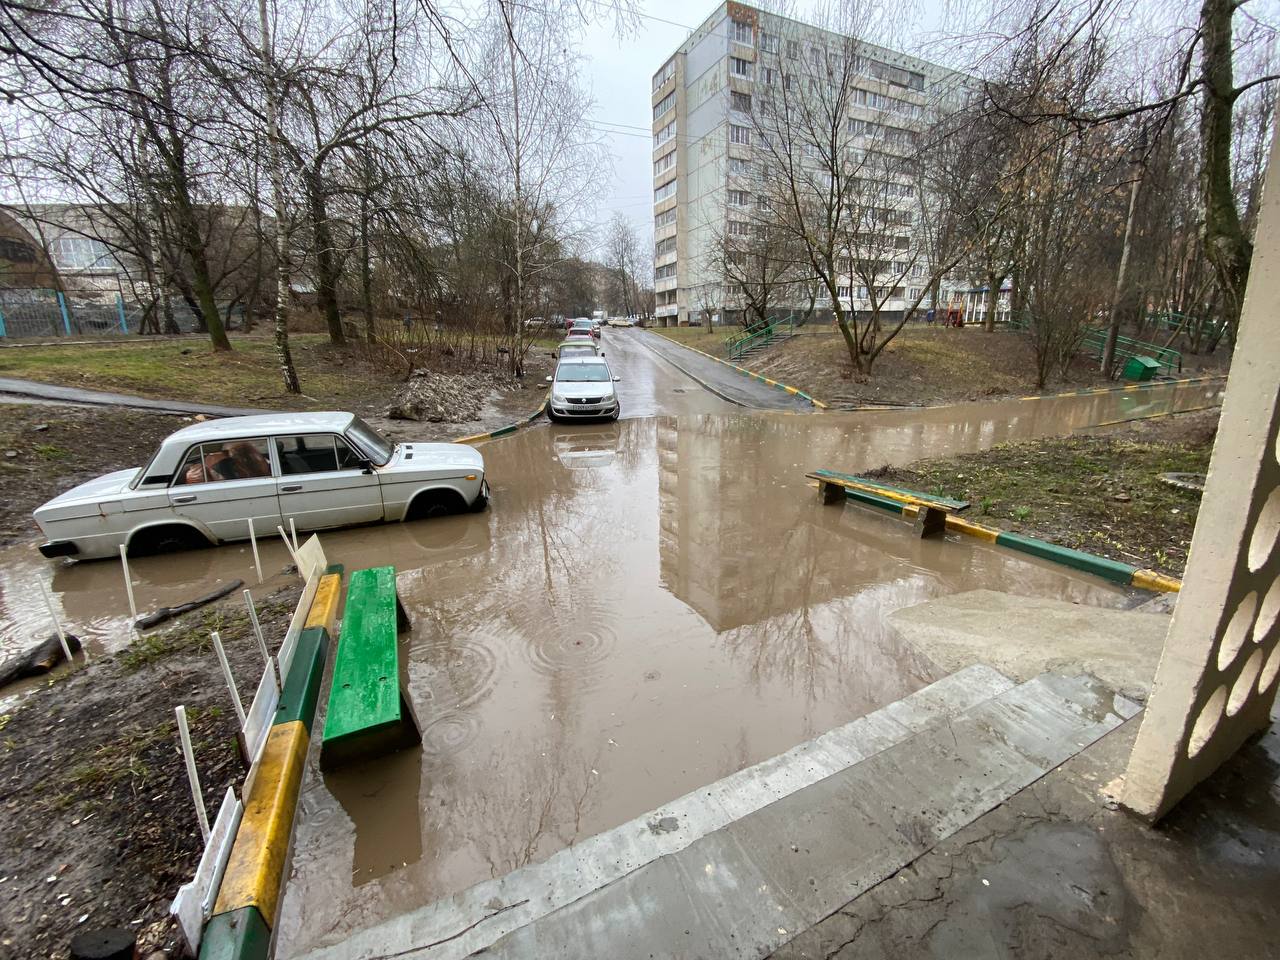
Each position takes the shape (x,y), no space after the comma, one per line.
(584,326)
(579,347)
(583,387)
(206,481)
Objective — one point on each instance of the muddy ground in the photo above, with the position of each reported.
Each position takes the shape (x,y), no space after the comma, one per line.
(99,828)
(1099,493)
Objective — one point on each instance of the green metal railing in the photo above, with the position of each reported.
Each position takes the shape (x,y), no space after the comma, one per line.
(1095,342)
(756,334)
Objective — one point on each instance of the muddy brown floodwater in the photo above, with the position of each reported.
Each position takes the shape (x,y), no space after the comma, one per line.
(647,606)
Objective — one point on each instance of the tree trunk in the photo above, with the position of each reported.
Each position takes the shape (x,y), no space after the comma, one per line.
(1225,242)
(326,262)
(284,355)
(1118,299)
(366,270)
(993,302)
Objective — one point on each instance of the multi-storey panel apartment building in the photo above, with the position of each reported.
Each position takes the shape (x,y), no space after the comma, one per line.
(706,147)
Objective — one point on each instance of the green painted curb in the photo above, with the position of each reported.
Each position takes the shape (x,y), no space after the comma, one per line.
(1112,570)
(871,500)
(239,935)
(302,686)
(503,431)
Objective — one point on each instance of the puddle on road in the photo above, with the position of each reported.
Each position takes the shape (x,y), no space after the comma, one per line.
(648,606)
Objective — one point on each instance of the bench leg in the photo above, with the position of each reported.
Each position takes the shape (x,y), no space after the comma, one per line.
(830,492)
(930,522)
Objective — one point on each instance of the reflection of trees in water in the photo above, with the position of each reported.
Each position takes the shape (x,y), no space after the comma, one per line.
(529,800)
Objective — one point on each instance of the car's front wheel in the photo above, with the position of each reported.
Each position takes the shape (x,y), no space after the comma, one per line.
(435,503)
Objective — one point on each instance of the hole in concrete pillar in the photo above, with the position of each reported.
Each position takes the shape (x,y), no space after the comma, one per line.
(1271,670)
(1207,722)
(1265,532)
(1267,615)
(1237,631)
(1243,687)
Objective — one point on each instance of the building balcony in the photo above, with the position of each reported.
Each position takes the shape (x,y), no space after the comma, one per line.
(664,259)
(665,284)
(666,310)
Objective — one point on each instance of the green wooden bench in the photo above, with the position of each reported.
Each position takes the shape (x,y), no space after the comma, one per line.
(931,511)
(368,713)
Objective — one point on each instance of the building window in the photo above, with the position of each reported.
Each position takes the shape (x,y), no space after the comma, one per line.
(666,73)
(769,42)
(738,165)
(740,101)
(740,135)
(665,134)
(739,67)
(668,189)
(739,198)
(842,293)
(664,163)
(740,32)
(917,270)
(793,49)
(663,105)
(665,219)
(80,253)
(663,247)
(662,273)
(768,75)
(914,293)
(738,228)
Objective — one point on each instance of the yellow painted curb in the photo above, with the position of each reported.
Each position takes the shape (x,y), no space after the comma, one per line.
(324,605)
(988,534)
(1150,580)
(255,870)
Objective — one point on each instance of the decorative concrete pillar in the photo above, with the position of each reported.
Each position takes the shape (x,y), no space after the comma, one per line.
(1217,678)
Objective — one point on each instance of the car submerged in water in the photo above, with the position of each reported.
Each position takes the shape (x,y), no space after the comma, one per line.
(207,481)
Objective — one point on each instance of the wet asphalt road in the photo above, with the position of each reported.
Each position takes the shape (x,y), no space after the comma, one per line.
(663,378)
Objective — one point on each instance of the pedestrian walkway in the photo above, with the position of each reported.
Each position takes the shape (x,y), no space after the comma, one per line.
(101,398)
(722,380)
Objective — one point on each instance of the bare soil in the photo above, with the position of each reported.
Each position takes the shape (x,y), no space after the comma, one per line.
(1098,493)
(99,827)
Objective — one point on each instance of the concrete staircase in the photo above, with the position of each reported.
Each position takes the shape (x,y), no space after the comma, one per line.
(741,866)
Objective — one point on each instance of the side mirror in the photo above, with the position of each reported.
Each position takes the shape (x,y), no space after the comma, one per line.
(617,379)
(548,379)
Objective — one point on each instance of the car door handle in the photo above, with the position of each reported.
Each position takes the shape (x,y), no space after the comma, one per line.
(186,498)
(291,488)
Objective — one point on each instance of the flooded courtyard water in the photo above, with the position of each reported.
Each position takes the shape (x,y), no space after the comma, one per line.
(647,606)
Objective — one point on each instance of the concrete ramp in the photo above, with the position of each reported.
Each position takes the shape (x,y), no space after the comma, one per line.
(1025,636)
(741,866)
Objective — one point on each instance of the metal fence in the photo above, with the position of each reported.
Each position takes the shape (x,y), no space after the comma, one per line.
(52,313)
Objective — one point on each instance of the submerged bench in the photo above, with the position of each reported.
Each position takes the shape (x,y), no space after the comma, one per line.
(368,714)
(931,511)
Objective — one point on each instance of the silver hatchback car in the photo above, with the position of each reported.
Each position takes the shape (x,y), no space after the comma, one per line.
(583,387)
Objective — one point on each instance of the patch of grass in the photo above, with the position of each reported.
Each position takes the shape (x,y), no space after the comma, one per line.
(1102,494)
(49,451)
(192,370)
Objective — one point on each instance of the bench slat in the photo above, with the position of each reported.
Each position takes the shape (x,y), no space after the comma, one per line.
(365,691)
(900,494)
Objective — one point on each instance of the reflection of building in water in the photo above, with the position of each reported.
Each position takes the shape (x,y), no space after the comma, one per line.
(726,547)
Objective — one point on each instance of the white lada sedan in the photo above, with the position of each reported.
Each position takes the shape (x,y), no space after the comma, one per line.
(208,481)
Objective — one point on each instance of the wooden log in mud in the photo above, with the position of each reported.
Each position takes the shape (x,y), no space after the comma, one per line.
(38,660)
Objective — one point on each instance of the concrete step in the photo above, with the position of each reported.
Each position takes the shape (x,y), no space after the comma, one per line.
(479,916)
(746,889)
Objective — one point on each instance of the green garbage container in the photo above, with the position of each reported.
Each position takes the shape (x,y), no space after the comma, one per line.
(1141,368)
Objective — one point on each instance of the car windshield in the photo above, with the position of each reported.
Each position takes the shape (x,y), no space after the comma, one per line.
(577,350)
(583,373)
(374,445)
